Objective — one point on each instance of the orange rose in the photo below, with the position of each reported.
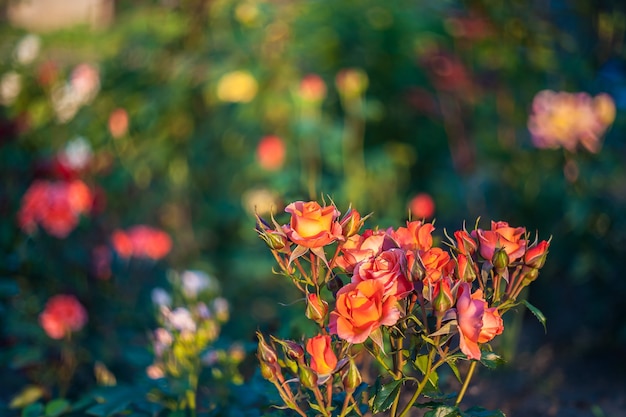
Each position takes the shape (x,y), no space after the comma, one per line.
(434,261)
(362,308)
(358,248)
(311,225)
(536,256)
(323,359)
(415,236)
(501,236)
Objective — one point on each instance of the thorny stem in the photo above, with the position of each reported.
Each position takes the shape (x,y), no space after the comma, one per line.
(320,401)
(470,372)
(284,268)
(420,386)
(398,364)
(289,401)
(332,261)
(346,402)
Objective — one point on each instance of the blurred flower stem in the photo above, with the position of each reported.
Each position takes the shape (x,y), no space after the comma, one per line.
(310,149)
(353,150)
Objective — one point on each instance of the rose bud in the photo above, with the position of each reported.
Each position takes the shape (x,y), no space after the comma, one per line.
(316,309)
(535,257)
(307,377)
(351,377)
(442,296)
(500,260)
(464,242)
(351,223)
(265,352)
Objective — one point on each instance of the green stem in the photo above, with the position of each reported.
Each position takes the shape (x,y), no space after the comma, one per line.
(398,364)
(466,383)
(420,386)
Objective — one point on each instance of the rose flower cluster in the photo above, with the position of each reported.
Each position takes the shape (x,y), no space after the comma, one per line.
(392,287)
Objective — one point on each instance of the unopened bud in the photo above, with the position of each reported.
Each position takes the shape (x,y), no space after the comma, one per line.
(536,256)
(307,377)
(465,243)
(292,349)
(442,296)
(500,260)
(529,274)
(316,309)
(351,223)
(265,352)
(418,272)
(465,268)
(268,371)
(351,377)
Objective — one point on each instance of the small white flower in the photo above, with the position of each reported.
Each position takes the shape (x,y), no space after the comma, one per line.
(10,87)
(181,320)
(76,154)
(221,308)
(160,297)
(193,282)
(27,49)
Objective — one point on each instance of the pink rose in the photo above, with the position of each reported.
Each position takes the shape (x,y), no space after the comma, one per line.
(389,268)
(501,236)
(358,248)
(470,321)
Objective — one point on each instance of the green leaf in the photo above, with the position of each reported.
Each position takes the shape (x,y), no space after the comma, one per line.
(422,364)
(443,411)
(537,313)
(33,410)
(482,412)
(490,359)
(455,370)
(449,327)
(57,407)
(385,395)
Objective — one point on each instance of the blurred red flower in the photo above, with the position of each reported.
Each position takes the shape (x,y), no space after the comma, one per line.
(422,206)
(56,206)
(271,152)
(141,242)
(62,315)
(118,123)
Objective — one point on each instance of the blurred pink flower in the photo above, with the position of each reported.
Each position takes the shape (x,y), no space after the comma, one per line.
(101,261)
(56,206)
(85,81)
(560,119)
(141,242)
(62,315)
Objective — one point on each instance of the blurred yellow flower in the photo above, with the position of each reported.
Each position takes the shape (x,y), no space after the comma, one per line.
(237,87)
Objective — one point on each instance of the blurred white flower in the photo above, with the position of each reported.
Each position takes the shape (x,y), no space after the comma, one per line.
(221,308)
(10,87)
(160,297)
(27,49)
(203,311)
(155,372)
(162,340)
(76,154)
(65,102)
(193,282)
(210,358)
(181,320)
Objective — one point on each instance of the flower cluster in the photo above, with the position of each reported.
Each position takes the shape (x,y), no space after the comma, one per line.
(190,318)
(561,119)
(54,205)
(392,287)
(62,315)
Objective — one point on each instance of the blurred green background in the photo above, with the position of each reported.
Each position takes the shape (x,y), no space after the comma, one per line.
(438,103)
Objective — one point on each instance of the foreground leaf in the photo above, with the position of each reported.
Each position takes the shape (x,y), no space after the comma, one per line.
(443,411)
(57,407)
(385,395)
(537,313)
(490,359)
(482,412)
